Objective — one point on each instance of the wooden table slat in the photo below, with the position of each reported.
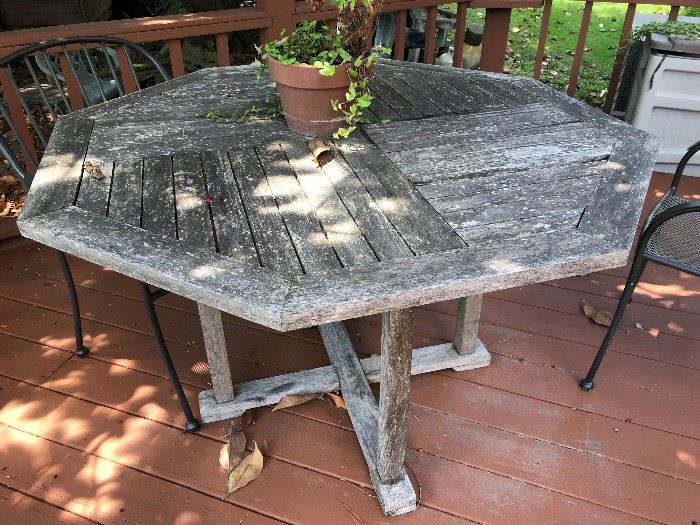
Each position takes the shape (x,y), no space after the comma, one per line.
(57,179)
(310,242)
(337,222)
(191,208)
(392,99)
(158,214)
(418,100)
(571,143)
(385,241)
(425,135)
(499,182)
(125,200)
(469,211)
(545,222)
(95,187)
(230,223)
(269,232)
(423,229)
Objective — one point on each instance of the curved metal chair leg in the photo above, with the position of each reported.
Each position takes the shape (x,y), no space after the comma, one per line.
(80,349)
(635,273)
(193,423)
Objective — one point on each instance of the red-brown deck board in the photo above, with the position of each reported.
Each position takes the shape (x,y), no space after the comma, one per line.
(100,439)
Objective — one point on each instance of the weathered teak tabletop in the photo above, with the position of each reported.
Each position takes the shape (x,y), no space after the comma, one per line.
(465,183)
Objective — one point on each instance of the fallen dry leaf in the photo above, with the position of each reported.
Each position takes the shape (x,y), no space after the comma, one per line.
(223,457)
(638,325)
(337,400)
(94,170)
(292,401)
(236,448)
(597,315)
(322,153)
(244,421)
(246,471)
(317,147)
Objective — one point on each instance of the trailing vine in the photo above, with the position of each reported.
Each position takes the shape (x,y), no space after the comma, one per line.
(269,111)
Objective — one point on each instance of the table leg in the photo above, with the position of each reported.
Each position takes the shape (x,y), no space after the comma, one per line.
(468,313)
(215,345)
(394,386)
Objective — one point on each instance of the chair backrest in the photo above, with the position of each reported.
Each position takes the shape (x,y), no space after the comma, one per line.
(43,81)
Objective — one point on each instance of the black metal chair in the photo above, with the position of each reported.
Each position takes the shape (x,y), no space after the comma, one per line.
(83,61)
(670,236)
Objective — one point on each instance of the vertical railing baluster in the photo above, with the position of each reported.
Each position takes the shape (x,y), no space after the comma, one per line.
(113,72)
(620,57)
(177,62)
(495,42)
(430,33)
(223,55)
(91,65)
(580,46)
(544,31)
(460,29)
(132,69)
(400,35)
(673,13)
(76,94)
(128,74)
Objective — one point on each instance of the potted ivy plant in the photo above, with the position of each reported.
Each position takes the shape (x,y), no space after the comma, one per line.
(322,75)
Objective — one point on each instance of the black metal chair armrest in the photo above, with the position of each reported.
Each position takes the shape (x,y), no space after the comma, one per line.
(692,150)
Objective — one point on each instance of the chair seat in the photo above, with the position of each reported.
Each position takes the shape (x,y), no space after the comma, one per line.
(677,241)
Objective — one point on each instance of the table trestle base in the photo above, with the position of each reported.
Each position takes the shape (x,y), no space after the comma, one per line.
(269,391)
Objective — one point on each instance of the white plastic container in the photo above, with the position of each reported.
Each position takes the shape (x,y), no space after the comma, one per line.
(665,99)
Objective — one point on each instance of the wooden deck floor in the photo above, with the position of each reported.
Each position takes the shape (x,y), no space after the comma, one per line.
(100,439)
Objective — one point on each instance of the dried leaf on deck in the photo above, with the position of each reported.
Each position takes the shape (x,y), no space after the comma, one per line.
(321,152)
(638,325)
(236,448)
(246,471)
(94,170)
(337,400)
(244,421)
(597,315)
(292,401)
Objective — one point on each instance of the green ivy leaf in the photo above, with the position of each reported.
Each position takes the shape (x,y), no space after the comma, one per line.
(344,55)
(364,101)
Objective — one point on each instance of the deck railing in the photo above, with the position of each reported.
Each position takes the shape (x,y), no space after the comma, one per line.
(269,17)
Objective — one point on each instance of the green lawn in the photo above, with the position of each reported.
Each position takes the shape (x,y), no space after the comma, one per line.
(601,43)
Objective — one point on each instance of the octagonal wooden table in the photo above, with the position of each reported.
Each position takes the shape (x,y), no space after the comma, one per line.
(462,183)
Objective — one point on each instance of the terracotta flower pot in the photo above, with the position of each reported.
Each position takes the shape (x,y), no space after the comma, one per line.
(306,96)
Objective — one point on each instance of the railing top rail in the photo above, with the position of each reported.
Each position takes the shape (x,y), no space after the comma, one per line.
(145,29)
(303,8)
